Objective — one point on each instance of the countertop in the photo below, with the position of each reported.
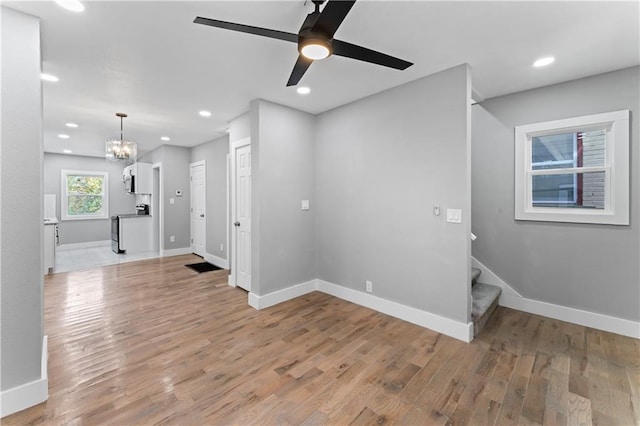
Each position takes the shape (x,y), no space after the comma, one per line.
(131,216)
(50,220)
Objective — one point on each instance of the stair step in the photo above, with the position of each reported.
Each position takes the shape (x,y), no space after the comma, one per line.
(485,301)
(475,273)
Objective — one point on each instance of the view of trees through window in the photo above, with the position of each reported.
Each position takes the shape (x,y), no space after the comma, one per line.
(84,195)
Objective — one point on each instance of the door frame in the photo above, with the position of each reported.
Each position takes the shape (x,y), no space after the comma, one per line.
(202,163)
(160,211)
(233,146)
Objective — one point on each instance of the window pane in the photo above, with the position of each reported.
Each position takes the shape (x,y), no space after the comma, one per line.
(84,205)
(580,190)
(84,184)
(547,151)
(567,150)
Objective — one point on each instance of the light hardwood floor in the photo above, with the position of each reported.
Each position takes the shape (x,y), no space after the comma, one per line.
(153,342)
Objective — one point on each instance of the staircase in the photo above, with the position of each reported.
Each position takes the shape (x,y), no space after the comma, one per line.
(485,301)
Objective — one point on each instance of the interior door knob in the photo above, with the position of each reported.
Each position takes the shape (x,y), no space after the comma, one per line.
(236,223)
(202,215)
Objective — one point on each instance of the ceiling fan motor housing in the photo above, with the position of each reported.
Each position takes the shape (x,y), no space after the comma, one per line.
(307,35)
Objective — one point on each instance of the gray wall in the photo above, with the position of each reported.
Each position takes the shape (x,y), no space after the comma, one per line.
(240,127)
(282,175)
(590,267)
(381,164)
(80,231)
(174,175)
(214,153)
(21,201)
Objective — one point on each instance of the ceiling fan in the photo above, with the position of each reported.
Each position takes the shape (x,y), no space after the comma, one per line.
(315,38)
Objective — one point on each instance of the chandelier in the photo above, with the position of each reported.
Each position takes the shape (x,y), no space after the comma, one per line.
(121,150)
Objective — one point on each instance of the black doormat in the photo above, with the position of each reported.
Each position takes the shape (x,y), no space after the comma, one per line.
(203,267)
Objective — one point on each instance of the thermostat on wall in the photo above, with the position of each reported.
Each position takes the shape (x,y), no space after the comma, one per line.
(178,192)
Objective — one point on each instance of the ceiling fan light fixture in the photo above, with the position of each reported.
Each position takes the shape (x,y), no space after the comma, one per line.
(316,48)
(72,5)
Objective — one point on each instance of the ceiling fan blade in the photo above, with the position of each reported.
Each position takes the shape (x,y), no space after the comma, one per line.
(302,65)
(265,32)
(348,50)
(332,16)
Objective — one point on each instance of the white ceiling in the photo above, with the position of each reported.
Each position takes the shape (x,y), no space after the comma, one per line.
(149,60)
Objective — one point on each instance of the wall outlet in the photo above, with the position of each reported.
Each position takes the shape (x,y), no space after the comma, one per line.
(369,286)
(221,247)
(172,239)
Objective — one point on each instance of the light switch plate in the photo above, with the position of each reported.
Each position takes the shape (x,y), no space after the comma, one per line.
(305,204)
(454,215)
(172,201)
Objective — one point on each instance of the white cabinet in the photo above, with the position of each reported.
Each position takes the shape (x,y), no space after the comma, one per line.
(49,247)
(136,234)
(138,178)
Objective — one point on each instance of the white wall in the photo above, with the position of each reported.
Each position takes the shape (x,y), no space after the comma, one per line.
(80,231)
(381,164)
(588,267)
(21,212)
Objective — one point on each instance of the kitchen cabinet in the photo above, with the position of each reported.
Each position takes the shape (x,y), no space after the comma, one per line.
(136,233)
(50,240)
(138,178)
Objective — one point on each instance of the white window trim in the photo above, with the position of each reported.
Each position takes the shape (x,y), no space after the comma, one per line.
(616,168)
(64,202)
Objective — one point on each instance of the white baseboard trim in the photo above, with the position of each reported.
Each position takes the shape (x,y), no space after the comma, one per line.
(510,298)
(572,315)
(175,252)
(29,394)
(232,280)
(87,244)
(218,261)
(452,328)
(487,276)
(270,299)
(455,329)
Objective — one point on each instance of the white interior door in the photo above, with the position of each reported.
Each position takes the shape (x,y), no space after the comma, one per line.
(242,220)
(198,204)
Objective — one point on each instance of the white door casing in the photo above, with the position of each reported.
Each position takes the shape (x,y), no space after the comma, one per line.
(241,214)
(198,207)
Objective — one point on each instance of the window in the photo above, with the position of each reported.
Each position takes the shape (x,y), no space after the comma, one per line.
(574,170)
(84,195)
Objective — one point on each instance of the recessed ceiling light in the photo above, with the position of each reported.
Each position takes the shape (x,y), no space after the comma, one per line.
(303,90)
(72,125)
(205,113)
(67,151)
(165,138)
(542,62)
(48,77)
(63,136)
(72,5)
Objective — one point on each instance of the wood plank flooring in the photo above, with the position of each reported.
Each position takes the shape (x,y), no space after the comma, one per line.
(153,342)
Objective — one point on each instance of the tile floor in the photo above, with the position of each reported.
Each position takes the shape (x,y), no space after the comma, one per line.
(77,259)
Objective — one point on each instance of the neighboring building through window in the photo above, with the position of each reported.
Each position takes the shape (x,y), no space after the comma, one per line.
(84,195)
(574,170)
